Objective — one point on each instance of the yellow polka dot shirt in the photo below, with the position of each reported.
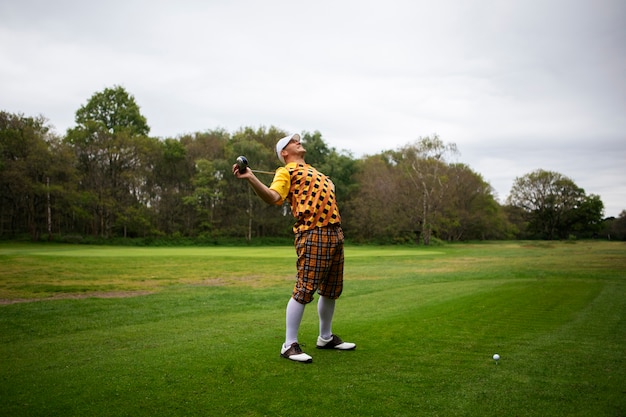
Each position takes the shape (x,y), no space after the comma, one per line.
(310,193)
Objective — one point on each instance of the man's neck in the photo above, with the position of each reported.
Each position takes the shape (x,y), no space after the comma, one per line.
(296,160)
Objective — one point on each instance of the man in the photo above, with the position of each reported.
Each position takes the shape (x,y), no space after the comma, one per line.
(318,242)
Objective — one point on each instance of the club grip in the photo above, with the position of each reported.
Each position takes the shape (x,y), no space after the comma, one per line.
(242,164)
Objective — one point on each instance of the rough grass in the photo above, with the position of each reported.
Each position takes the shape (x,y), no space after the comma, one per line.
(200,333)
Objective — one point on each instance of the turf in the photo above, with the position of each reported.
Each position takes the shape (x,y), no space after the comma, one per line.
(106,331)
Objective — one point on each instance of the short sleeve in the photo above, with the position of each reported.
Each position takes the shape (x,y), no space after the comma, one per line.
(281,184)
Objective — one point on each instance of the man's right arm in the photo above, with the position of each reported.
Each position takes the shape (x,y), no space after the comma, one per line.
(268,195)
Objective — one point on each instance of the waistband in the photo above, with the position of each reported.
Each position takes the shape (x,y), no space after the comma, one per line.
(331,226)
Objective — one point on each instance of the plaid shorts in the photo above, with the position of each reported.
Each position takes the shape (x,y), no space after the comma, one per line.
(320,263)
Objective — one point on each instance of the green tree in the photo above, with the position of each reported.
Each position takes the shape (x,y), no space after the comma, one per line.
(207,145)
(317,151)
(585,220)
(25,162)
(553,205)
(111,143)
(617,227)
(471,211)
(115,111)
(35,177)
(380,209)
(425,165)
(170,184)
(207,194)
(137,191)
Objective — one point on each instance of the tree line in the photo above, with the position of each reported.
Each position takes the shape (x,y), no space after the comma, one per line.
(106,178)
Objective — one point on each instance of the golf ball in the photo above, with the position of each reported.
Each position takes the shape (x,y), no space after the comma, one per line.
(496,357)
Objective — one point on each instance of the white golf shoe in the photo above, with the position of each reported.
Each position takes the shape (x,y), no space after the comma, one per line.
(334,342)
(294,353)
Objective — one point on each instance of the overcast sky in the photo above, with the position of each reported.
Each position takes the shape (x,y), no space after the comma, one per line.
(517,85)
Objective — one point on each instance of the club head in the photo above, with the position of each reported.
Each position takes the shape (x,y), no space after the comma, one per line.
(242,163)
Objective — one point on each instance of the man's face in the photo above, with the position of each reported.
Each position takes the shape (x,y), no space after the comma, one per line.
(294,146)
(295,142)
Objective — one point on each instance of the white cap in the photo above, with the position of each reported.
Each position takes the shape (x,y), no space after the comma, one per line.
(280,145)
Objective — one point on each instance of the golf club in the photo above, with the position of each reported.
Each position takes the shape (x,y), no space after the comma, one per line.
(242,164)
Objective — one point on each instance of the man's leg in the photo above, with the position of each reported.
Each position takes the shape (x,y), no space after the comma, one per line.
(325,311)
(291,349)
(330,289)
(294,313)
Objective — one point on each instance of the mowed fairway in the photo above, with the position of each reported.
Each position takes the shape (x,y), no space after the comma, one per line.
(119,331)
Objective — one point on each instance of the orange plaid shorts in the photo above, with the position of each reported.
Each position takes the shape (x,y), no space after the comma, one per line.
(320,263)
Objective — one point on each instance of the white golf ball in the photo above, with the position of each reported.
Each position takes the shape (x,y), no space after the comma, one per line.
(496,357)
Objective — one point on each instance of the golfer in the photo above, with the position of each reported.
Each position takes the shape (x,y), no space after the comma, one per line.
(318,242)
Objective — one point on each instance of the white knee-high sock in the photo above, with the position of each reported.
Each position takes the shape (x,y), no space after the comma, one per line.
(325,311)
(294,314)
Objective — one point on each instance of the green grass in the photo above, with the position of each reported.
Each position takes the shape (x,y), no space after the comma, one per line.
(111,331)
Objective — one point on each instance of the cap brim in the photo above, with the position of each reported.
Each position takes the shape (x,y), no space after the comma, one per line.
(283,142)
